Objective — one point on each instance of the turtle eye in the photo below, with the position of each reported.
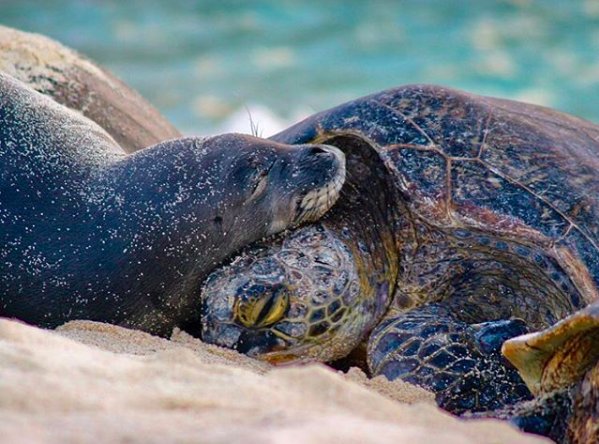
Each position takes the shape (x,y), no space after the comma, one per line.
(258,309)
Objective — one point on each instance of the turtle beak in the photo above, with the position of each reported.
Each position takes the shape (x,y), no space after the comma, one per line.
(279,358)
(257,343)
(299,355)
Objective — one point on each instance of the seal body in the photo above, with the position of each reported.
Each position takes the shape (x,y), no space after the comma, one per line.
(89,232)
(79,84)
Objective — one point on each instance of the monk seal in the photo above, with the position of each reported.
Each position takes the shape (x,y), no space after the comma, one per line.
(90,232)
(78,83)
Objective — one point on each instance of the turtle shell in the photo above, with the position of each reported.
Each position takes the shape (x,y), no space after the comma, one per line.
(559,355)
(465,162)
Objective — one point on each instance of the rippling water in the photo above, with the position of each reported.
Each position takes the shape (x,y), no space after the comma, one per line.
(203,62)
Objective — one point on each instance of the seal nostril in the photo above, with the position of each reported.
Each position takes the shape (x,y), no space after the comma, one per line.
(316,150)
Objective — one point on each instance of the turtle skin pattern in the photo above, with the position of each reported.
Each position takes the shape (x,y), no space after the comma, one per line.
(561,366)
(499,232)
(460,362)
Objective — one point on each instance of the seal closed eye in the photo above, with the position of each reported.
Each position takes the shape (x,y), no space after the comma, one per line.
(89,232)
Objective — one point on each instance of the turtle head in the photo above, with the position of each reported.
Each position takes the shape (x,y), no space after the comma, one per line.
(316,292)
(296,299)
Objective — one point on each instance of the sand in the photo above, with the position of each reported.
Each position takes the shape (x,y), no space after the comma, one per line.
(91,382)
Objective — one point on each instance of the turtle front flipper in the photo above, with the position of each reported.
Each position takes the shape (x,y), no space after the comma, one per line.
(561,366)
(462,363)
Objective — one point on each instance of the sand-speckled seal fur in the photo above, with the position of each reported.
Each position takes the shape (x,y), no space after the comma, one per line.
(89,232)
(78,83)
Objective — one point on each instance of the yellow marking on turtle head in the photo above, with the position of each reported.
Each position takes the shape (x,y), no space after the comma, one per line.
(260,311)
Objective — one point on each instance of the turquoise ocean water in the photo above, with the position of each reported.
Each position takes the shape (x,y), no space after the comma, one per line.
(202,62)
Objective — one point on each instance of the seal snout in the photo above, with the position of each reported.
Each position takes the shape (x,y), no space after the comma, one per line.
(327,151)
(327,180)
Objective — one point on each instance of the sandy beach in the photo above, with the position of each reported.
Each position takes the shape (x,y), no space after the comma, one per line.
(91,382)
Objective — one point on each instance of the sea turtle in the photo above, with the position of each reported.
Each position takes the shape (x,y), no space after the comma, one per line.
(560,365)
(464,221)
(90,232)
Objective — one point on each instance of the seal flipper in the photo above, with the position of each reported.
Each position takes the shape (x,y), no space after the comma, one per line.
(460,362)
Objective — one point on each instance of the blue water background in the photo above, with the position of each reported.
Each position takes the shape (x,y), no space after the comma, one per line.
(201,61)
